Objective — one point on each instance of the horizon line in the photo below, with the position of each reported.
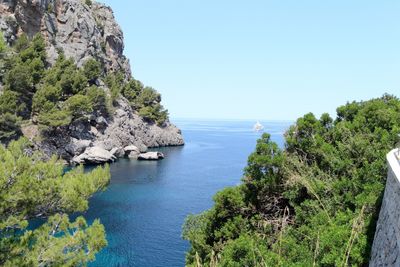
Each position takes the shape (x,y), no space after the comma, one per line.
(230,119)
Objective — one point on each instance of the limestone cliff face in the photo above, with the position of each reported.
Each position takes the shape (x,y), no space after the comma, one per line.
(84,31)
(81,31)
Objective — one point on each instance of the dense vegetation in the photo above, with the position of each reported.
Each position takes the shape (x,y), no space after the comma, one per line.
(33,92)
(54,96)
(315,203)
(33,189)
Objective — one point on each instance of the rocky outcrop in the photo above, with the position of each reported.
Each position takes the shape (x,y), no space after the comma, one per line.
(79,30)
(82,32)
(125,133)
(128,128)
(132,151)
(94,155)
(151,156)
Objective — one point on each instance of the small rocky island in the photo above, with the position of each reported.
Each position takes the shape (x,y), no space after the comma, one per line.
(83,105)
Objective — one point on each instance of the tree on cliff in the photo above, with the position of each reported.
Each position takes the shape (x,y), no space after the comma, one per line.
(313,204)
(32,190)
(54,96)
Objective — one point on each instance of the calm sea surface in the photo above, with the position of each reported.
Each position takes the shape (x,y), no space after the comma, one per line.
(146,203)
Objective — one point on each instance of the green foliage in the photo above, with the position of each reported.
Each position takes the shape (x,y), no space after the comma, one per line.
(55,118)
(36,49)
(148,97)
(50,8)
(46,98)
(92,70)
(115,82)
(3,45)
(78,106)
(19,79)
(59,242)
(154,113)
(9,127)
(314,204)
(88,2)
(3,55)
(9,103)
(32,188)
(147,101)
(24,70)
(132,90)
(98,99)
(21,43)
(67,76)
(265,162)
(244,251)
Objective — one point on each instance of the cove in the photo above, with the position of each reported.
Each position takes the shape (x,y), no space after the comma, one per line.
(146,203)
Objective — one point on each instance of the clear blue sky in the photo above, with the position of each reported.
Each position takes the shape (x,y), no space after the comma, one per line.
(261,59)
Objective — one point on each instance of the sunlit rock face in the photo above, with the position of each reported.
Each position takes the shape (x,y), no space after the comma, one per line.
(80,30)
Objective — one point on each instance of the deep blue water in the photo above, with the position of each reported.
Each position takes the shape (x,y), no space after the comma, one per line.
(146,203)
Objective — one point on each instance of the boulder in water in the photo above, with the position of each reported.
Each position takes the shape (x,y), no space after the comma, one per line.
(94,155)
(132,151)
(151,156)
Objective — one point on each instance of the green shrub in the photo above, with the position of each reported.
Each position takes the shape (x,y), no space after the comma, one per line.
(148,97)
(25,69)
(115,82)
(3,45)
(50,8)
(9,103)
(67,76)
(154,113)
(132,90)
(92,70)
(55,118)
(98,99)
(147,101)
(46,98)
(19,79)
(21,43)
(78,106)
(9,127)
(72,81)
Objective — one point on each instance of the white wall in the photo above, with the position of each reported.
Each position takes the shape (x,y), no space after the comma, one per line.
(386,246)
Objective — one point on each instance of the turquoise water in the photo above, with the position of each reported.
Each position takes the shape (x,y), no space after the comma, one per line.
(146,203)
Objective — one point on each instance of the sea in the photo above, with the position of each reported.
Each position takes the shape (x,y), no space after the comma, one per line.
(145,205)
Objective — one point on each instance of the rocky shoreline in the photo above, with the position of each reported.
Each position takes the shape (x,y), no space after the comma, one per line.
(99,139)
(83,31)
(98,155)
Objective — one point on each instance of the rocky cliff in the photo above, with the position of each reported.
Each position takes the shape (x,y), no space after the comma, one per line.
(83,30)
(79,30)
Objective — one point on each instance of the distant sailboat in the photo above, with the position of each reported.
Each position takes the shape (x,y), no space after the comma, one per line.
(258,127)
